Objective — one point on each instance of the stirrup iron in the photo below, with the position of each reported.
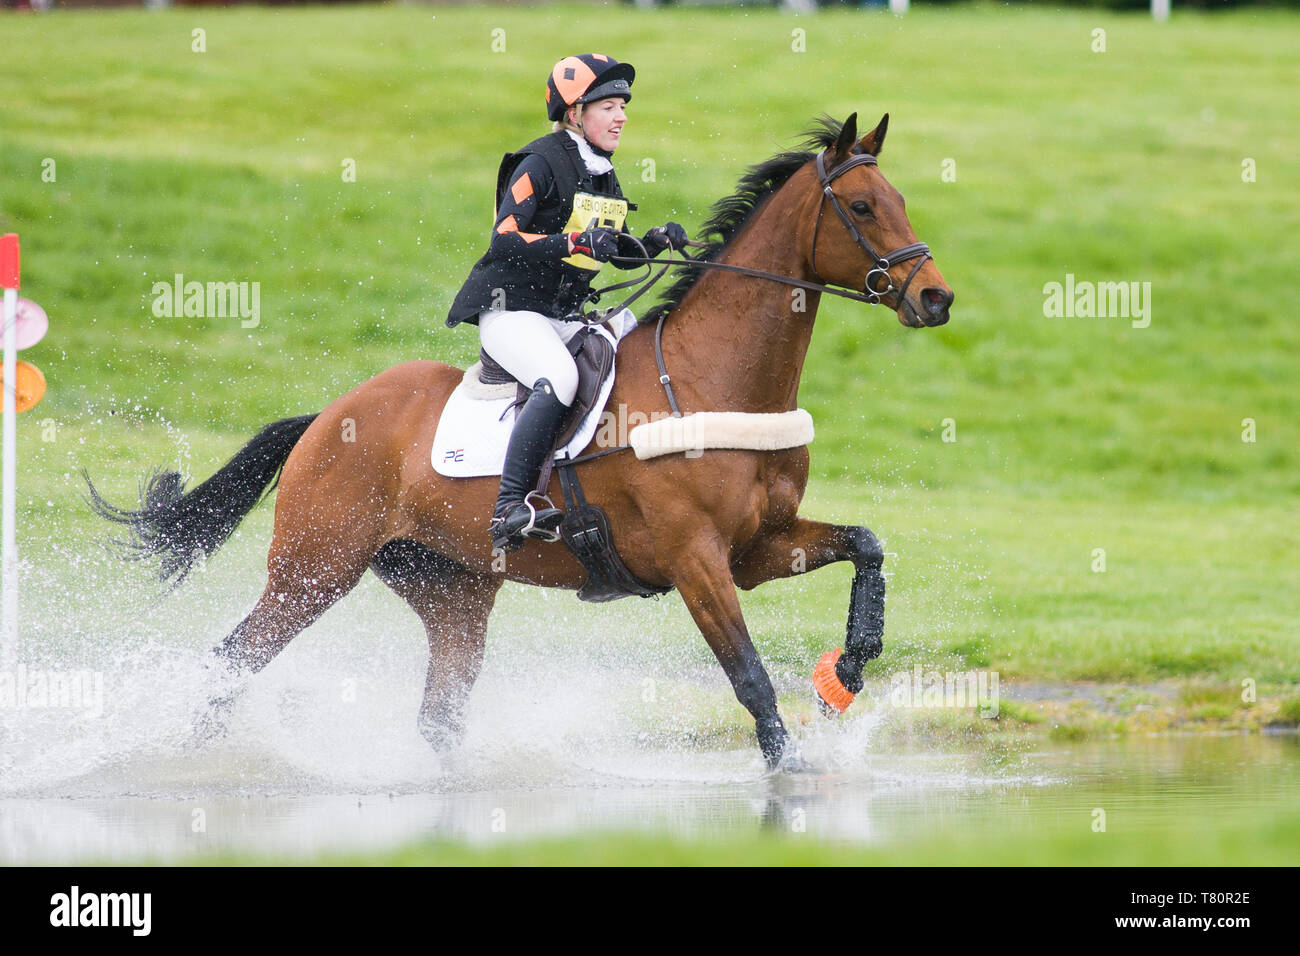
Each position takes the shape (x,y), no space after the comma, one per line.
(531,530)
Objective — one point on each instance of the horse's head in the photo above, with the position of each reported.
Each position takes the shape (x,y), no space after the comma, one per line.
(862,238)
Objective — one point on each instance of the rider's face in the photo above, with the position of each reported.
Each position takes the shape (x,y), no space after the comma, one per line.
(602,122)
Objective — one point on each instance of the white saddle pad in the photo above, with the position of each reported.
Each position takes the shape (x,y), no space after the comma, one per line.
(475,425)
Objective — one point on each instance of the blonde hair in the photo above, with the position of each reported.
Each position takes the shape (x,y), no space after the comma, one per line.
(563,121)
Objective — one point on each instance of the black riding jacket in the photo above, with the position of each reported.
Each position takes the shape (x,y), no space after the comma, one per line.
(544,192)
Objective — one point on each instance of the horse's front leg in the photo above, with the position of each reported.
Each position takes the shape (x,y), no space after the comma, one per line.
(806,546)
(704,580)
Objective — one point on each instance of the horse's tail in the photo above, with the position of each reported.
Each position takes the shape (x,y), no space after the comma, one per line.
(183,527)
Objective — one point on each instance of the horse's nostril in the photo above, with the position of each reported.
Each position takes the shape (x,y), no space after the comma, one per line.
(936,301)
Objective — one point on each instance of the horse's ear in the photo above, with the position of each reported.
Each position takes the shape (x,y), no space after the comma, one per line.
(874,140)
(848,136)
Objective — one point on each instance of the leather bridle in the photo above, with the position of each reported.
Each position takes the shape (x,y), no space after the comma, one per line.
(882,264)
(871,294)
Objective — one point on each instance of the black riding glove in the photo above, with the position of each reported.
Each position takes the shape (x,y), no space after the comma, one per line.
(599,243)
(668,236)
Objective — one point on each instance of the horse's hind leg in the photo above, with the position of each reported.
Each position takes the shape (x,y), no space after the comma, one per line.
(305,578)
(300,587)
(453,603)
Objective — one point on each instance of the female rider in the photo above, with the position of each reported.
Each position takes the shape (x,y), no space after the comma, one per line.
(560,214)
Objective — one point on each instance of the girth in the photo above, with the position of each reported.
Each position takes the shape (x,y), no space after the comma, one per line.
(585,530)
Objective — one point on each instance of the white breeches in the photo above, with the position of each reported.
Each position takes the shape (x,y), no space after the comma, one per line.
(530,346)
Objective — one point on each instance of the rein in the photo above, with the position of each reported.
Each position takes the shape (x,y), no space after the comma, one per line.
(872,295)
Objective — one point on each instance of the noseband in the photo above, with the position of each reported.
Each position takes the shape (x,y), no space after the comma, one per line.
(917,250)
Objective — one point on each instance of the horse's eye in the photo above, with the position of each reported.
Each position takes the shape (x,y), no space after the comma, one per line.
(861,208)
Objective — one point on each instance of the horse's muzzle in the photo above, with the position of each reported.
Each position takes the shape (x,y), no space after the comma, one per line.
(927,312)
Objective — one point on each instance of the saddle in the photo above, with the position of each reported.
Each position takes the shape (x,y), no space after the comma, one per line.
(594,357)
(585,528)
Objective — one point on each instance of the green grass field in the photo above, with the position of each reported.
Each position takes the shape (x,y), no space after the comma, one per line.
(127,157)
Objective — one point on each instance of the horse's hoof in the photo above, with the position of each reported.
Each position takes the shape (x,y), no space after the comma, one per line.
(792,761)
(833,698)
(773,741)
(441,737)
(210,725)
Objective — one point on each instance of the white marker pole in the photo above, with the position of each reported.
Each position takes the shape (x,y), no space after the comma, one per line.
(1160,10)
(9,282)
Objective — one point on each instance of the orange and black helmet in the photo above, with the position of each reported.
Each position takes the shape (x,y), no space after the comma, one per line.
(585,78)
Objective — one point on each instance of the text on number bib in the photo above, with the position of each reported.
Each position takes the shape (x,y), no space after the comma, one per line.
(591,211)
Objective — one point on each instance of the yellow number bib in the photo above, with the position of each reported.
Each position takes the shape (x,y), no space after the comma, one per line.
(589,211)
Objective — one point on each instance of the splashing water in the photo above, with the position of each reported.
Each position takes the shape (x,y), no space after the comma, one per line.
(614,714)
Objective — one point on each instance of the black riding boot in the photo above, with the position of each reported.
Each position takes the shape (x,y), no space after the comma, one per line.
(532,439)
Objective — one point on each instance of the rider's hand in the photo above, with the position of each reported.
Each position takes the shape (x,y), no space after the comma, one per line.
(668,236)
(600,243)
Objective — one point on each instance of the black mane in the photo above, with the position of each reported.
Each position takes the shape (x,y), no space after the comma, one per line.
(732,212)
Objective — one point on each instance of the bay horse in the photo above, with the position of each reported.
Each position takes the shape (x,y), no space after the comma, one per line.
(356,488)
